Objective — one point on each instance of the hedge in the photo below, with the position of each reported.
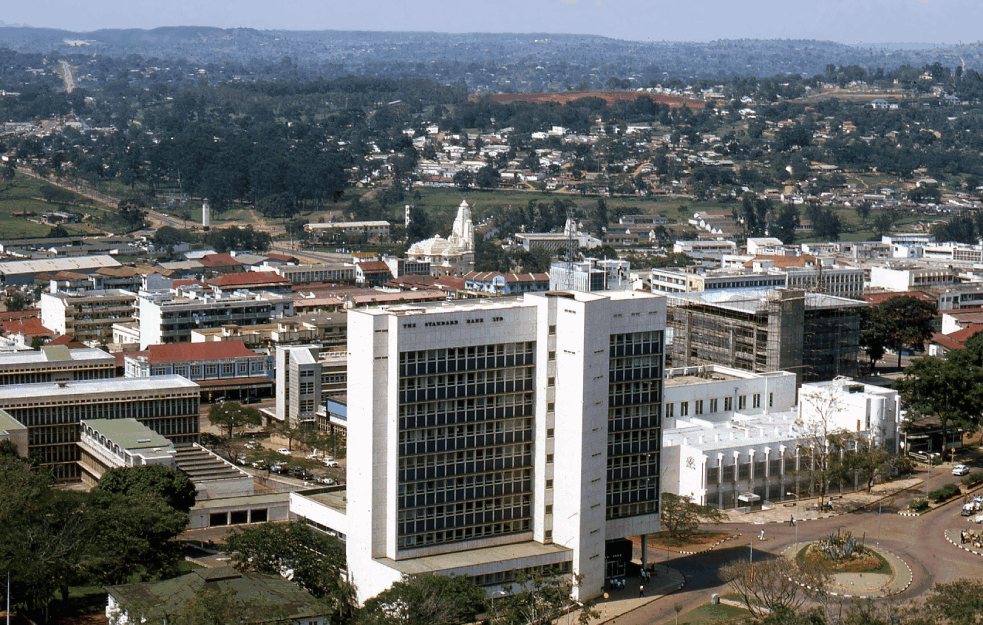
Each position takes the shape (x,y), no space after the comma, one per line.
(941,494)
(973,478)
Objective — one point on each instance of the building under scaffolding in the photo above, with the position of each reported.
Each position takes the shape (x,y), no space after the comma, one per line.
(813,335)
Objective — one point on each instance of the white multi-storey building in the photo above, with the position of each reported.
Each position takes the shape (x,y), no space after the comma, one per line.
(489,437)
(170,316)
(762,454)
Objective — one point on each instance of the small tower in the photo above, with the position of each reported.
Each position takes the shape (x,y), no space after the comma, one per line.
(206,214)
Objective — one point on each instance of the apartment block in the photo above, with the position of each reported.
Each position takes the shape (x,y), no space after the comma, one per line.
(170,316)
(55,363)
(88,315)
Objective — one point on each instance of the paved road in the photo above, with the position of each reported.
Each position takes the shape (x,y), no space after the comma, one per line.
(919,541)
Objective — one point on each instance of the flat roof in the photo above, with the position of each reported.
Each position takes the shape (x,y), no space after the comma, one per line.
(128,433)
(15,267)
(32,357)
(13,392)
(755,301)
(334,499)
(476,557)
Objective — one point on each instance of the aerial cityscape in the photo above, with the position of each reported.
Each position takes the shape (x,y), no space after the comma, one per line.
(511,314)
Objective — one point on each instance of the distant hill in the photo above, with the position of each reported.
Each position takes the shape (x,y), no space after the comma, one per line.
(536,62)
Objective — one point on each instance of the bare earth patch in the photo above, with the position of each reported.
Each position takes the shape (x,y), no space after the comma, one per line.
(693,542)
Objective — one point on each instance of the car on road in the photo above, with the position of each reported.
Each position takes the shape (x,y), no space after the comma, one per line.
(960,469)
(284,451)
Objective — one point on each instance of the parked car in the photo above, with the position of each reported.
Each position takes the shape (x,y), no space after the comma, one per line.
(284,451)
(252,445)
(259,464)
(331,463)
(960,469)
(327,481)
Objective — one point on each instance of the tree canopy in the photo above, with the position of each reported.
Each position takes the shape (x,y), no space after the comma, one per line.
(234,416)
(174,488)
(316,561)
(426,600)
(898,323)
(682,516)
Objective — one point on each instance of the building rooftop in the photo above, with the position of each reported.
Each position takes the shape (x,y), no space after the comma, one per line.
(184,352)
(28,392)
(755,301)
(702,374)
(255,593)
(52,353)
(53,265)
(128,433)
(8,423)
(334,497)
(249,278)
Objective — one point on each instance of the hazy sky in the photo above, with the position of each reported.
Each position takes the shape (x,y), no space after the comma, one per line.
(847,21)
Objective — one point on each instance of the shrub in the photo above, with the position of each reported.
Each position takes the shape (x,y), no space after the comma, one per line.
(973,478)
(941,494)
(918,504)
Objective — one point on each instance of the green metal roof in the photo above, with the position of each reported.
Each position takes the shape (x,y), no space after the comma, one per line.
(128,433)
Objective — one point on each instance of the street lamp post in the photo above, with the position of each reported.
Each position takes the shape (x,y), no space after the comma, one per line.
(796,515)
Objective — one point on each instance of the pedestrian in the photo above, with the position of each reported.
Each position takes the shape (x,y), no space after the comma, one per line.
(762,536)
(791,520)
(641,590)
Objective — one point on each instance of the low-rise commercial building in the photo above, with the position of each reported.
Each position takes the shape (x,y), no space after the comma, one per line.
(52,412)
(226,369)
(55,363)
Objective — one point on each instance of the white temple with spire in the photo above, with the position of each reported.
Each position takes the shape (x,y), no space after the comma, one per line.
(453,255)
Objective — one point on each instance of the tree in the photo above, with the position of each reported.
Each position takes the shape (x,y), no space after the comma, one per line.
(898,323)
(487,177)
(818,433)
(316,560)
(863,458)
(172,487)
(427,600)
(537,597)
(772,585)
(787,223)
(681,516)
(231,415)
(960,601)
(950,389)
(463,179)
(15,302)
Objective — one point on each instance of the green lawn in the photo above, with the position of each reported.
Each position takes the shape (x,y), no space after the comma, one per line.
(23,195)
(708,613)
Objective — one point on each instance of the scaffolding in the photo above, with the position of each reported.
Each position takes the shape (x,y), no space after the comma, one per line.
(813,335)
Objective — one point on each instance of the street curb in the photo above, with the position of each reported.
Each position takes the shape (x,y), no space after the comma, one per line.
(955,544)
(911,580)
(719,542)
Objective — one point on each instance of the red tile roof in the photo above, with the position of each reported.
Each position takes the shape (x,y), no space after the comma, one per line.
(187,282)
(373,266)
(284,258)
(27,313)
(219,260)
(68,341)
(249,278)
(182,352)
(28,327)
(877,298)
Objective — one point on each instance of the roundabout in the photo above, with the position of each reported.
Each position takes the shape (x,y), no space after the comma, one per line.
(892,576)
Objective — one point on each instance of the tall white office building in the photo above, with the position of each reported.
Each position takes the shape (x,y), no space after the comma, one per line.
(488,437)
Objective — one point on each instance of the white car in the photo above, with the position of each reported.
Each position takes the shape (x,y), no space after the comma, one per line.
(284,451)
(960,469)
(331,463)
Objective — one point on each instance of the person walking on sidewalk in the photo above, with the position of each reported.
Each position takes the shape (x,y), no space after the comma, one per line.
(791,520)
(641,590)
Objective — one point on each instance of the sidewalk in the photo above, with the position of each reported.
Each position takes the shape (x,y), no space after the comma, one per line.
(807,508)
(621,602)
